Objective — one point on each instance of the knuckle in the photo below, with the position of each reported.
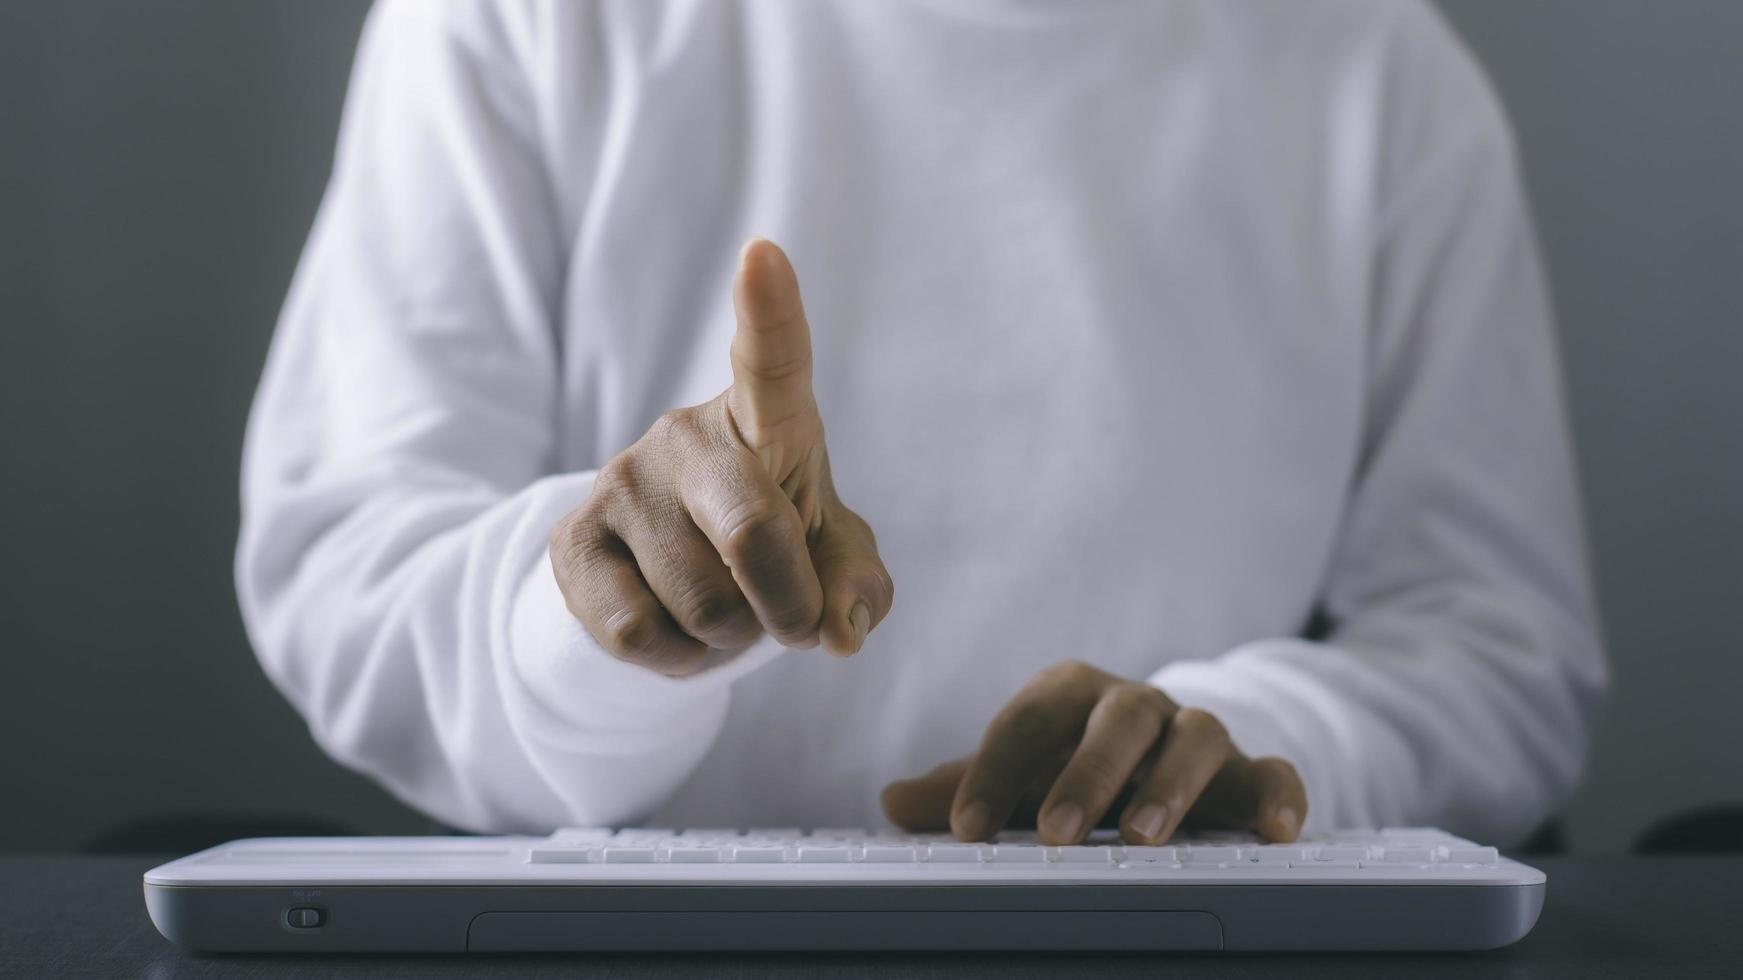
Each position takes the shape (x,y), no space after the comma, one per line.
(573,541)
(1073,675)
(791,621)
(778,369)
(711,610)
(1028,722)
(631,634)
(856,525)
(756,530)
(678,426)
(615,483)
(1280,772)
(1099,771)
(874,579)
(786,369)
(1202,726)
(565,536)
(1134,705)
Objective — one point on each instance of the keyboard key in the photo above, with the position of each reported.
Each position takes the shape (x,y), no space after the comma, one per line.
(1275,856)
(628,855)
(1085,855)
(839,833)
(1152,855)
(1212,855)
(759,855)
(953,854)
(889,854)
(824,855)
(1019,854)
(1472,855)
(1341,853)
(898,837)
(560,855)
(693,855)
(1219,837)
(1407,855)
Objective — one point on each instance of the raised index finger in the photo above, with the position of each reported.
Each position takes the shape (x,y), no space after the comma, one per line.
(771,397)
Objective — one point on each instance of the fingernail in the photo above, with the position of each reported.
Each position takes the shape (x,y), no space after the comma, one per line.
(1064,821)
(1287,820)
(1149,820)
(860,617)
(972,825)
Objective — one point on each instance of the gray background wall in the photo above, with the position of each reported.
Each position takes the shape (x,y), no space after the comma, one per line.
(159,166)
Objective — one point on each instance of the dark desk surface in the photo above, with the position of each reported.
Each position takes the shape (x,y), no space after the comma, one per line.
(1605,917)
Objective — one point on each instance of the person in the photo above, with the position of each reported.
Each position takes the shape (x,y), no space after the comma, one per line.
(1190,361)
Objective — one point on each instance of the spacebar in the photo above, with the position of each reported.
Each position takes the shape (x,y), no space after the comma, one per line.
(916,929)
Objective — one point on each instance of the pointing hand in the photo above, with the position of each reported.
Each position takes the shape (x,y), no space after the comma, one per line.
(721,521)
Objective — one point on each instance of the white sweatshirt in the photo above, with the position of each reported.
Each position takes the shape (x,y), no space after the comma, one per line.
(1143,330)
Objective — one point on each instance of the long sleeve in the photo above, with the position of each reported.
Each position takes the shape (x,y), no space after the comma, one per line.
(520,262)
(1462,669)
(398,489)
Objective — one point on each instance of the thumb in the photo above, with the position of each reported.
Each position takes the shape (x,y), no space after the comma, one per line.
(771,401)
(857,589)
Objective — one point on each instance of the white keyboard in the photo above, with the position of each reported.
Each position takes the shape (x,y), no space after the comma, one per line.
(591,889)
(844,852)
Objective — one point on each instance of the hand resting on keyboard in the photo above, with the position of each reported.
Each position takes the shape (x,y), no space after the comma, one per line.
(1078,744)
